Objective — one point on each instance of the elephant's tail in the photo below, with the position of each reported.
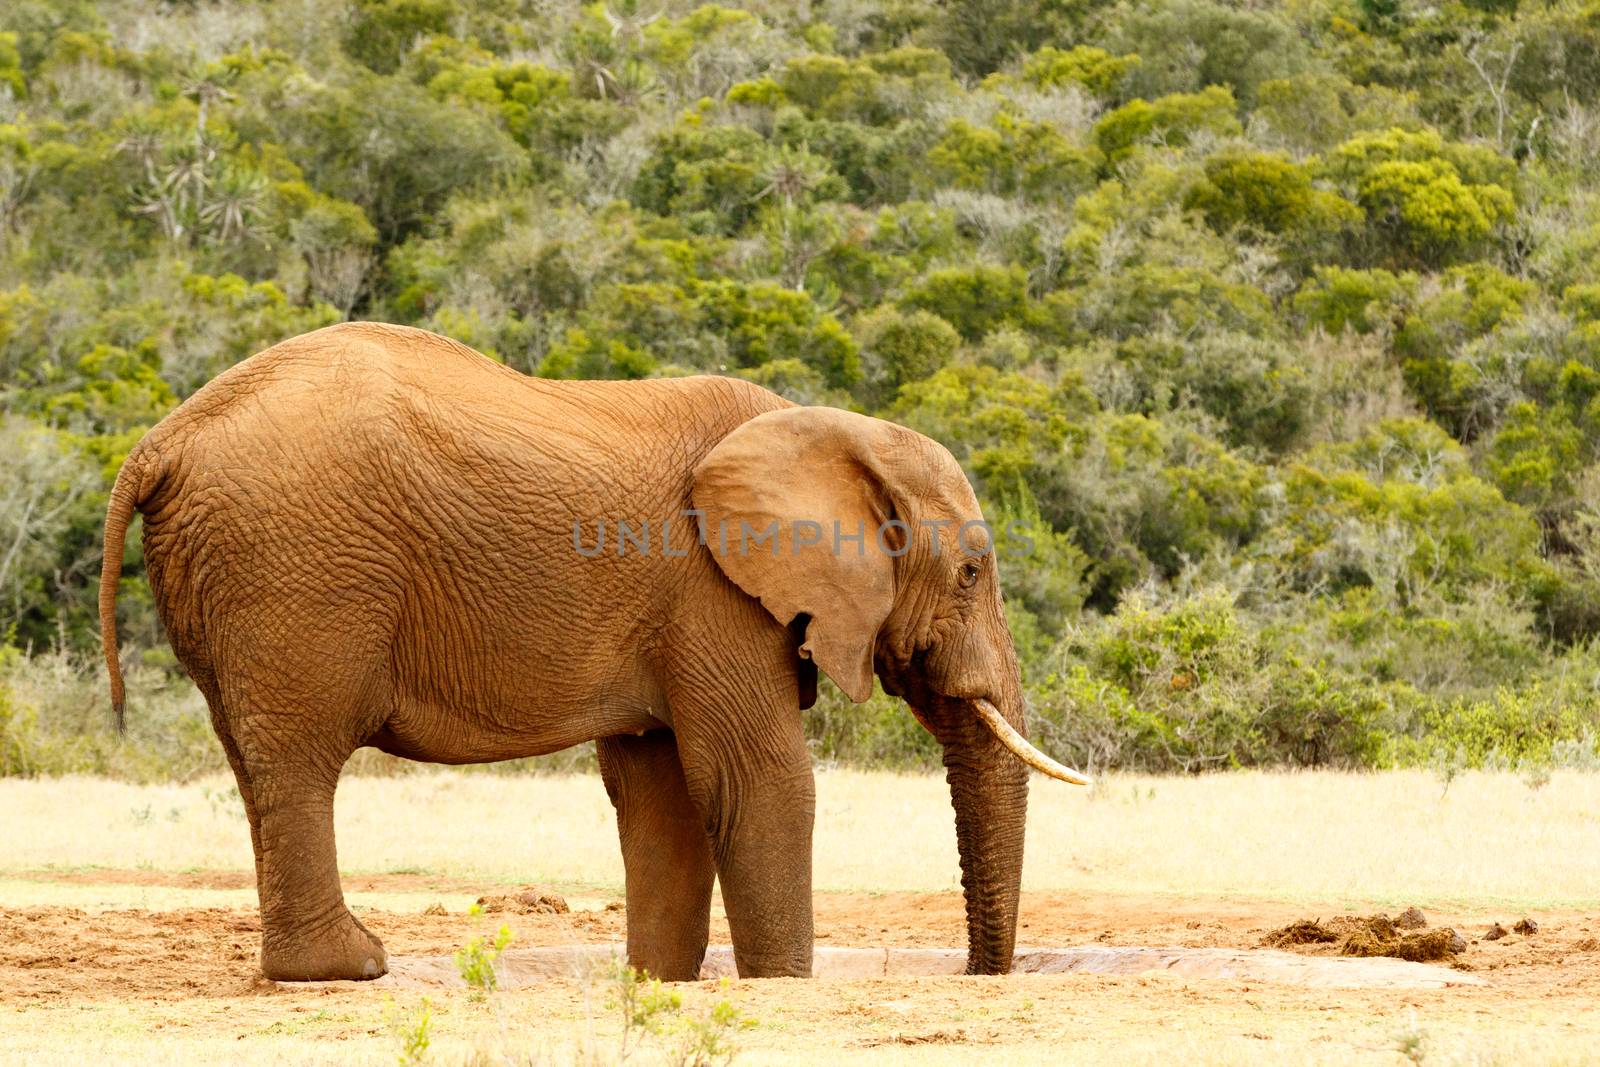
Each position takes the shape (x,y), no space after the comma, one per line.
(126,495)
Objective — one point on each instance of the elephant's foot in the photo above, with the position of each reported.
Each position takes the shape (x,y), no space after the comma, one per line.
(342,949)
(772,965)
(668,963)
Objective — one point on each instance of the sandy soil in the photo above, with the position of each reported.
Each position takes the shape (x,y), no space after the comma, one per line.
(191,971)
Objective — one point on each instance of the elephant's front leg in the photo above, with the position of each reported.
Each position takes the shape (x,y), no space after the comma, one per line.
(666,854)
(751,777)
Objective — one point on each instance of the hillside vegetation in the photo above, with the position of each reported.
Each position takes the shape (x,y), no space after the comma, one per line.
(1277,324)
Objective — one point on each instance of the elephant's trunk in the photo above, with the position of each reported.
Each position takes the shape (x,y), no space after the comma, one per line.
(989,789)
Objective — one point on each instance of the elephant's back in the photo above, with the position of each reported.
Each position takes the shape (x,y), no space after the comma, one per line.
(375,382)
(369,431)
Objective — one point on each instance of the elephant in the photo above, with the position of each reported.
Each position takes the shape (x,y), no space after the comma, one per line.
(372,535)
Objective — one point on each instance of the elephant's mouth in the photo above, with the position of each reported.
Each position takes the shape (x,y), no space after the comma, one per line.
(1019,747)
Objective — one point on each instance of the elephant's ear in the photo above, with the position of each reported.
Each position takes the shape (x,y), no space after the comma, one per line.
(813,478)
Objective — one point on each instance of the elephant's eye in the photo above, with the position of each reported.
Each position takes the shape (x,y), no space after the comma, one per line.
(969,574)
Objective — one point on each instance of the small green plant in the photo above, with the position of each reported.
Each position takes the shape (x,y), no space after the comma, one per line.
(1447,765)
(1535,773)
(1412,1041)
(475,960)
(652,1013)
(224,802)
(412,1030)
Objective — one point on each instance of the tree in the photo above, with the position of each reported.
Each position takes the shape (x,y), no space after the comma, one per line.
(42,480)
(1187,45)
(898,348)
(1095,69)
(383,31)
(973,299)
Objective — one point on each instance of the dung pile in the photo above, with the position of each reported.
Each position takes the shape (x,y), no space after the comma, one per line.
(529,901)
(1303,932)
(1374,935)
(1524,926)
(1382,939)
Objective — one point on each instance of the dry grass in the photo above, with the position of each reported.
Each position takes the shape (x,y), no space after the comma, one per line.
(1384,838)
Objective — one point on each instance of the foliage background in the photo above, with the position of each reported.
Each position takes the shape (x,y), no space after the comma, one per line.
(1277,323)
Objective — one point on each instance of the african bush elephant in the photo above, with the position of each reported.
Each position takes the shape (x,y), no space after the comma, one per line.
(373,535)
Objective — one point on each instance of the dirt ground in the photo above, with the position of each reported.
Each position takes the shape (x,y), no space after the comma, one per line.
(129,932)
(186,977)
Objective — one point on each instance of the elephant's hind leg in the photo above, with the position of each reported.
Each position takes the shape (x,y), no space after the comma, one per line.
(666,854)
(287,764)
(307,932)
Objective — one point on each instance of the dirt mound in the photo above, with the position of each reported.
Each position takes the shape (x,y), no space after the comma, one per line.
(1340,927)
(1373,935)
(529,901)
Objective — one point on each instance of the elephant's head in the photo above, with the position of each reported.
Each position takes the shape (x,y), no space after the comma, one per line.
(867,537)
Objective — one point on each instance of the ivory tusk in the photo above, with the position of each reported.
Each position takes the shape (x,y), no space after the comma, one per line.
(1009,737)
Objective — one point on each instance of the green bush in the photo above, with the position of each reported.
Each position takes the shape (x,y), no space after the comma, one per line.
(1266,191)
(1508,728)
(1173,119)
(55,718)
(898,348)
(1361,300)
(974,299)
(1186,44)
(1191,688)
(1095,69)
(1428,201)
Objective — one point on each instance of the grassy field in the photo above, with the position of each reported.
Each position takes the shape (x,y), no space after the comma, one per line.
(1387,838)
(127,921)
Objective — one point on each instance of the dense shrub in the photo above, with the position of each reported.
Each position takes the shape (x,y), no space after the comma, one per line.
(1191,687)
(1275,327)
